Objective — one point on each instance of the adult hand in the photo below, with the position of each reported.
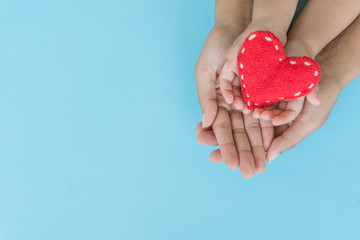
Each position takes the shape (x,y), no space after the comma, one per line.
(231,18)
(319,23)
(242,139)
(340,64)
(228,125)
(216,112)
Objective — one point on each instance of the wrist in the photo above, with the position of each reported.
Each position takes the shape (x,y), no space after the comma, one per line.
(267,24)
(298,48)
(274,16)
(230,28)
(233,14)
(336,71)
(333,82)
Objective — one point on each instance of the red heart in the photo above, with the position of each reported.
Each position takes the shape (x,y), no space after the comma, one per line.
(268,76)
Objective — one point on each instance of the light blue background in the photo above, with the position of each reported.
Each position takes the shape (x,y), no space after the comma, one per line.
(98,109)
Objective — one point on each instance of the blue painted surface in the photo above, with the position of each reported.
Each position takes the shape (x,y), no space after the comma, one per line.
(98,109)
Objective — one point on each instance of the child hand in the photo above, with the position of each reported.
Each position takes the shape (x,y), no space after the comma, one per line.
(286,111)
(268,15)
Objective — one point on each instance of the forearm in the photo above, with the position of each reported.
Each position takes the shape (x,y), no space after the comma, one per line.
(342,56)
(274,16)
(233,13)
(321,21)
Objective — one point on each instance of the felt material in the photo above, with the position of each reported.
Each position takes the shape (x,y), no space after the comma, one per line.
(268,76)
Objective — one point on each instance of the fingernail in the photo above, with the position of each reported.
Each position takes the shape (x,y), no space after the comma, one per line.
(203,120)
(273,157)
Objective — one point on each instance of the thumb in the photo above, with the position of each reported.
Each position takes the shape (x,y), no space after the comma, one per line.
(313,96)
(206,87)
(299,130)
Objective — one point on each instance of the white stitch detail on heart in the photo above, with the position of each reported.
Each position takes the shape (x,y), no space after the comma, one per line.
(268,101)
(256,104)
(280,59)
(297,94)
(247,95)
(307,63)
(311,85)
(268,39)
(281,97)
(242,77)
(242,51)
(316,73)
(276,47)
(244,85)
(292,62)
(249,103)
(252,37)
(241,66)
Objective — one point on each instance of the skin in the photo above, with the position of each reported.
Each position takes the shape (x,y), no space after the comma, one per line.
(243,140)
(234,143)
(309,35)
(231,19)
(340,63)
(268,15)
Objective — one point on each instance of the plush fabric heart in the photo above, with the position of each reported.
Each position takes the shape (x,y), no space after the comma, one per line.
(268,76)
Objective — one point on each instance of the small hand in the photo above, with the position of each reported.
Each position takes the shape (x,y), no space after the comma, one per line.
(268,15)
(286,111)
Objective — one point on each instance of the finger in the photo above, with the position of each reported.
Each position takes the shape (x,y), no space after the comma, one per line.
(313,96)
(290,138)
(253,131)
(273,112)
(215,156)
(270,114)
(267,133)
(258,111)
(278,130)
(238,102)
(247,164)
(245,110)
(206,87)
(293,109)
(199,128)
(282,105)
(227,77)
(223,133)
(207,138)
